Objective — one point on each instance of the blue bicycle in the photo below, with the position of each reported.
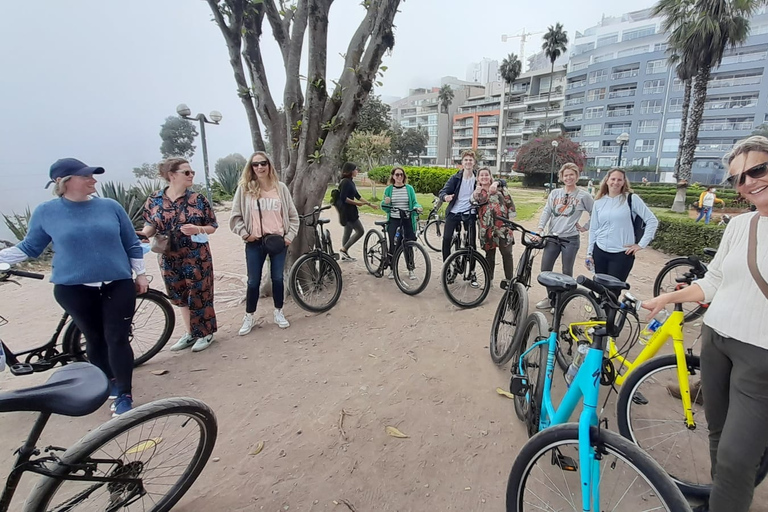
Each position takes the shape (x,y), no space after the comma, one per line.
(578,466)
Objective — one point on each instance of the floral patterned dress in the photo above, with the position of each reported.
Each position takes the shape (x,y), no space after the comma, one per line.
(493,233)
(188,265)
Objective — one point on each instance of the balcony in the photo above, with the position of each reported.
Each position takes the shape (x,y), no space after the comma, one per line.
(488,121)
(714,148)
(609,150)
(576,85)
(621,94)
(658,89)
(616,131)
(574,101)
(464,135)
(487,132)
(625,74)
(621,113)
(517,130)
(733,82)
(716,127)
(746,57)
(515,105)
(593,115)
(544,97)
(574,118)
(462,126)
(574,134)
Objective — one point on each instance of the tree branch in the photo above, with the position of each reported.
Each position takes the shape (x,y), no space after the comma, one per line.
(293,100)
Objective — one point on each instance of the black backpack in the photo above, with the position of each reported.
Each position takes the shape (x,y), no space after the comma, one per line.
(336,202)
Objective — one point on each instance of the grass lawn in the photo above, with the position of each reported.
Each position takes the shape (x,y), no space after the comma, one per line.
(666,212)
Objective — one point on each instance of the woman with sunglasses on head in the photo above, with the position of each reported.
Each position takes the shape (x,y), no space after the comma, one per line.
(95,249)
(186,219)
(734,351)
(400,196)
(561,217)
(612,245)
(264,216)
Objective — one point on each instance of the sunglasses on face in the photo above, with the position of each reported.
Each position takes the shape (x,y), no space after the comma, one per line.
(399,174)
(185,173)
(260,163)
(755,173)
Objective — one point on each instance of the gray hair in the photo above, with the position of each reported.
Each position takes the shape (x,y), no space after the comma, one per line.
(59,187)
(754,143)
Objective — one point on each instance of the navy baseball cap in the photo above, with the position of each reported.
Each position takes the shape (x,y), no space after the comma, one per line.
(71,167)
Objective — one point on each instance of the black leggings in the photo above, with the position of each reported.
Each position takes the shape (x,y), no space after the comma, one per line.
(452,220)
(104,316)
(616,264)
(408,233)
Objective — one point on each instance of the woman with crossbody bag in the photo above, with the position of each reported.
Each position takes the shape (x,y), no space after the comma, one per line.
(734,351)
(264,216)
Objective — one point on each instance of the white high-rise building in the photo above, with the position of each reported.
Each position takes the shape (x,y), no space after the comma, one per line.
(483,72)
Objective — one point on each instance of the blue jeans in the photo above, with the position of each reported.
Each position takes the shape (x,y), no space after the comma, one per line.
(706,211)
(255,256)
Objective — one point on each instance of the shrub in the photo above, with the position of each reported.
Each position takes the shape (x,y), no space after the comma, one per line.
(685,237)
(425,180)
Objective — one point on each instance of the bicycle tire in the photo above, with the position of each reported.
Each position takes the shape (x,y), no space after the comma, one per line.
(374,252)
(73,341)
(190,409)
(658,285)
(514,301)
(320,266)
(434,240)
(564,354)
(399,280)
(625,404)
(464,258)
(553,437)
(328,242)
(529,410)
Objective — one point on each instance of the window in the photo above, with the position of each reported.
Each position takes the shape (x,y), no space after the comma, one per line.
(654,86)
(656,66)
(645,145)
(593,112)
(670,145)
(590,144)
(432,119)
(633,51)
(667,163)
(676,105)
(637,33)
(673,125)
(576,66)
(677,85)
(598,76)
(596,94)
(651,106)
(607,39)
(605,161)
(648,126)
(592,130)
(660,47)
(602,58)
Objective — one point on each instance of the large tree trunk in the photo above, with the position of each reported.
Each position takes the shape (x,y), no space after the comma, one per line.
(691,137)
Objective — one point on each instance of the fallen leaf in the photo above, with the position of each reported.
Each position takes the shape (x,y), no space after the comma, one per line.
(259,447)
(373,356)
(504,393)
(159,372)
(393,432)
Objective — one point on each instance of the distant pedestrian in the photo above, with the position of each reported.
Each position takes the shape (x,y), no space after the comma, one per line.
(350,199)
(645,181)
(591,188)
(707,201)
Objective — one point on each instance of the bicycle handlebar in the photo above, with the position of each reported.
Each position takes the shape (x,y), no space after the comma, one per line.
(526,232)
(611,305)
(5,274)
(315,211)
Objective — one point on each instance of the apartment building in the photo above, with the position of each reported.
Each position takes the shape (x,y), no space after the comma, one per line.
(619,81)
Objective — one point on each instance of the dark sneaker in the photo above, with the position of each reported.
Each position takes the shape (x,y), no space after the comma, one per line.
(123,404)
(112,389)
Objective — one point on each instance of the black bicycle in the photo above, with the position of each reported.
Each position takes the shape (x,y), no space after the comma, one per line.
(679,273)
(512,310)
(410,264)
(151,328)
(431,230)
(144,459)
(465,271)
(315,279)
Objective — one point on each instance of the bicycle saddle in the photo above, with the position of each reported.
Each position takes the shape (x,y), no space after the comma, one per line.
(323,221)
(381,223)
(77,389)
(555,282)
(611,283)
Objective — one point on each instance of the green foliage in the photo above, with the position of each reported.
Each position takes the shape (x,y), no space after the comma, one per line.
(178,135)
(218,194)
(535,156)
(228,171)
(425,180)
(368,148)
(131,198)
(664,196)
(18,224)
(445,97)
(684,237)
(374,116)
(146,170)
(407,143)
(510,69)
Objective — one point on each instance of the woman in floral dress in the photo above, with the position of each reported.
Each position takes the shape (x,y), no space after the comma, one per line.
(493,233)
(187,266)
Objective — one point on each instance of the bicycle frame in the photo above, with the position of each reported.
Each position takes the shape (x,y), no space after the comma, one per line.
(47,355)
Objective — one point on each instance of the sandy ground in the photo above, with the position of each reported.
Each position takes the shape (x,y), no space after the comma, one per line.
(384,358)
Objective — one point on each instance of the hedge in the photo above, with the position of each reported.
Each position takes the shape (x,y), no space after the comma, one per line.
(425,180)
(684,237)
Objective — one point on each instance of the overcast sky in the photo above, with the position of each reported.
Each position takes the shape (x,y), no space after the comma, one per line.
(95,79)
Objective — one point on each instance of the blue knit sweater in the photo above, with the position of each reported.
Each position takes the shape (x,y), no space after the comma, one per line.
(93,240)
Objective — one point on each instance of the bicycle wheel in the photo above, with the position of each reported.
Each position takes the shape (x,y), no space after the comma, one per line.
(375,252)
(510,314)
(315,282)
(433,234)
(649,416)
(165,444)
(465,278)
(666,281)
(412,278)
(528,408)
(151,328)
(546,475)
(575,306)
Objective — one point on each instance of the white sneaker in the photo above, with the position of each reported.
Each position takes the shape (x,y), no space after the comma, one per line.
(391,274)
(280,319)
(544,304)
(185,341)
(202,343)
(248,324)
(412,276)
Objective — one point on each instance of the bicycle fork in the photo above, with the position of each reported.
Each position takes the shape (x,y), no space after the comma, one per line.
(682,378)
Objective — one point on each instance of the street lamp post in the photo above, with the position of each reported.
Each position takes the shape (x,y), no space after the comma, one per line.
(621,140)
(185,113)
(504,154)
(552,168)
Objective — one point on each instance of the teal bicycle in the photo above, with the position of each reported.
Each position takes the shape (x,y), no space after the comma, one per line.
(578,466)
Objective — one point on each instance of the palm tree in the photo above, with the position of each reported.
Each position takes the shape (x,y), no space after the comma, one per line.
(685,71)
(445,97)
(510,69)
(555,44)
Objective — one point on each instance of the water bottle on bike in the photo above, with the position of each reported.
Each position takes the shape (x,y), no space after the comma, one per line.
(653,325)
(581,350)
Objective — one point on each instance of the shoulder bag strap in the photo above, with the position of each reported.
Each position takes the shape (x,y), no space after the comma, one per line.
(752,256)
(261,223)
(631,211)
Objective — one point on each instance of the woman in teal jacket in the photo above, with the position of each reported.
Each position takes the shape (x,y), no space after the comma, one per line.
(400,196)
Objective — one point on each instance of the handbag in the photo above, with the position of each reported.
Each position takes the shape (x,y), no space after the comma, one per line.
(273,244)
(638,224)
(752,256)
(160,243)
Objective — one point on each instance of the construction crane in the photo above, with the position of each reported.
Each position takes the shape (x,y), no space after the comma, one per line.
(523,39)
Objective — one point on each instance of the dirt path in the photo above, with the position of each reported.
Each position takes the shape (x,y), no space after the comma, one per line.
(321,393)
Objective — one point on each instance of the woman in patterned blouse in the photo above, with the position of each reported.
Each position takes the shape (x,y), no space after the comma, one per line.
(494,233)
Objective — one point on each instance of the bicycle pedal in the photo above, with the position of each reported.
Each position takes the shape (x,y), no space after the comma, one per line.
(639,399)
(504,284)
(518,386)
(336,256)
(564,462)
(21,369)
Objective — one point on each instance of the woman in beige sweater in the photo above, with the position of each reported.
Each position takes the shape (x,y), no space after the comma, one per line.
(734,352)
(262,209)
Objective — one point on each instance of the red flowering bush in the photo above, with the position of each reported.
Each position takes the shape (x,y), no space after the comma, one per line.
(534,158)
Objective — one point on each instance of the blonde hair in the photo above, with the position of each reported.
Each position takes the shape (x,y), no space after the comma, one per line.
(603,191)
(570,166)
(754,143)
(60,187)
(170,165)
(248,180)
(469,152)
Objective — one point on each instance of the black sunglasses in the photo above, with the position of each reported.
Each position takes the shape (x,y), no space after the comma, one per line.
(186,173)
(755,173)
(260,163)
(398,174)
